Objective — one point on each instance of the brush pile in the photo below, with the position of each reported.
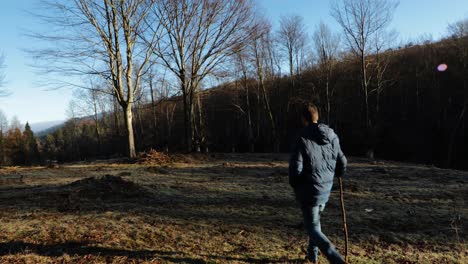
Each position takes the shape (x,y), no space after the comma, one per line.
(153,157)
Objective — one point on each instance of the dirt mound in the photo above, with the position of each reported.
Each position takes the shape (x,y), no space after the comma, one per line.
(108,186)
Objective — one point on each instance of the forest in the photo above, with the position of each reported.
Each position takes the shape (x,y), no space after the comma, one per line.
(238,85)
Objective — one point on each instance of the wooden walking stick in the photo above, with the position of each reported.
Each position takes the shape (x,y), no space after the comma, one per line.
(343,212)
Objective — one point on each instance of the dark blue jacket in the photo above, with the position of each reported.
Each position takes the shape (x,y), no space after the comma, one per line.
(315,159)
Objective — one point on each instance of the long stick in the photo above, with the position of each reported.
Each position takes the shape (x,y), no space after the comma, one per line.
(343,212)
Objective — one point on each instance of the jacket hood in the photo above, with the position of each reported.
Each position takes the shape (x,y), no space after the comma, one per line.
(321,133)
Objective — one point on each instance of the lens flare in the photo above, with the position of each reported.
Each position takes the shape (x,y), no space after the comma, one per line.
(442,67)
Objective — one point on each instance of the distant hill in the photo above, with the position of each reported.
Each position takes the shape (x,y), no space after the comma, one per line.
(43,128)
(39,127)
(49,130)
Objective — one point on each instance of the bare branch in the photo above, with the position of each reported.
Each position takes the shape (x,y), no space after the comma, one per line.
(3,92)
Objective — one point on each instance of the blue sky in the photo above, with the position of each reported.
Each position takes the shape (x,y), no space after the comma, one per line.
(31,102)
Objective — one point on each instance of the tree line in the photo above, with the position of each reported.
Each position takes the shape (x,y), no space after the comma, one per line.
(122,43)
(18,146)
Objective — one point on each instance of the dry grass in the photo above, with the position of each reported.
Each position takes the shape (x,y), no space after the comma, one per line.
(227,208)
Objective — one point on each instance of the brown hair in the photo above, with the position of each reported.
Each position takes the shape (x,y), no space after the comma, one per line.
(310,112)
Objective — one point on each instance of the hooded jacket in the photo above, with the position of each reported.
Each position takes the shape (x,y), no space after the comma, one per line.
(315,159)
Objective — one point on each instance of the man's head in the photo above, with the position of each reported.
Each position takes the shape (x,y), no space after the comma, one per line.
(310,113)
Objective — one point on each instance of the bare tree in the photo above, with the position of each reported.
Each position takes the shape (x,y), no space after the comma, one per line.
(2,66)
(168,107)
(90,103)
(199,35)
(152,92)
(3,122)
(379,62)
(459,29)
(100,38)
(361,21)
(3,129)
(15,123)
(140,102)
(261,46)
(165,90)
(2,75)
(292,37)
(242,69)
(327,46)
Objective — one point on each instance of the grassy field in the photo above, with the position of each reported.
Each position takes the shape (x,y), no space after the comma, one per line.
(225,209)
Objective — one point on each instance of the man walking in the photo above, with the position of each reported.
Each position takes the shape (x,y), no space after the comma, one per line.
(315,159)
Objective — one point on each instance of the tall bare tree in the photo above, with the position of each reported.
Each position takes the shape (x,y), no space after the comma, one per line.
(100,38)
(262,48)
(15,123)
(361,21)
(90,103)
(2,75)
(199,35)
(242,70)
(292,37)
(327,46)
(3,130)
(459,29)
(3,122)
(379,63)
(153,96)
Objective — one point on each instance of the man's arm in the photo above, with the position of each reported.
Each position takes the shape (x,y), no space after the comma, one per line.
(341,161)
(295,163)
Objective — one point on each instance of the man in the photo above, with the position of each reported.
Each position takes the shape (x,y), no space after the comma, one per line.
(316,158)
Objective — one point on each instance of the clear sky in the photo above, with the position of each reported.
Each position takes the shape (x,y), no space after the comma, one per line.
(30,102)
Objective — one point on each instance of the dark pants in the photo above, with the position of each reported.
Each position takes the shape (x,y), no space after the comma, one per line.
(317,240)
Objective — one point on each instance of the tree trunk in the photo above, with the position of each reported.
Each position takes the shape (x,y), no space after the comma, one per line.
(186,122)
(291,64)
(140,122)
(116,118)
(453,136)
(291,72)
(96,122)
(328,99)
(169,119)
(98,133)
(201,131)
(245,84)
(274,131)
(249,121)
(364,87)
(153,106)
(2,149)
(188,109)
(369,130)
(127,109)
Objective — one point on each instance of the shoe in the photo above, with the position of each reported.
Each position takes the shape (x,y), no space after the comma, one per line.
(309,260)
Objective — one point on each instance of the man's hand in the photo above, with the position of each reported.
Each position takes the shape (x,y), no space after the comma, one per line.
(295,164)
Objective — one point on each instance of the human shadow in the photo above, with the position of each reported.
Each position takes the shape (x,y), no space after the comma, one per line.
(254,260)
(82,249)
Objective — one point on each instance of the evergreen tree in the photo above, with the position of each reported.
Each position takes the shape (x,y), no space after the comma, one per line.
(60,145)
(30,148)
(50,149)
